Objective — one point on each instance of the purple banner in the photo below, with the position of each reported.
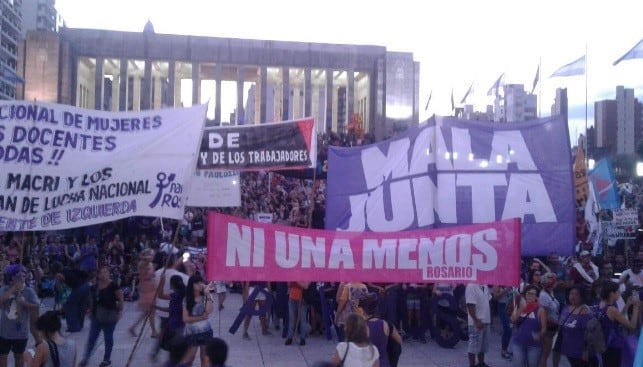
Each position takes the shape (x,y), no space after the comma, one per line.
(453,172)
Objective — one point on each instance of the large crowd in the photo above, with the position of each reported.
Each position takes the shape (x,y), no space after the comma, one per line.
(561,304)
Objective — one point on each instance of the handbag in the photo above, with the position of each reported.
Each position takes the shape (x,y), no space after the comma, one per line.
(341,363)
(393,348)
(558,338)
(103,314)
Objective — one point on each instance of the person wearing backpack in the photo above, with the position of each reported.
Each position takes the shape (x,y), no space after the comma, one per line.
(573,327)
(612,322)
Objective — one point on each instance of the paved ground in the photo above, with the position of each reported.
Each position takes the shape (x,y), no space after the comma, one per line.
(270,350)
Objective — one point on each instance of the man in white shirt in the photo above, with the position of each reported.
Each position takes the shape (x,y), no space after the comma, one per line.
(477,298)
(170,269)
(634,275)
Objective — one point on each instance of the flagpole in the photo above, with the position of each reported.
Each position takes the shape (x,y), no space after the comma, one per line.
(586,141)
(540,88)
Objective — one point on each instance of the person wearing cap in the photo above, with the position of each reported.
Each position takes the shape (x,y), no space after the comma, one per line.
(18,305)
(584,273)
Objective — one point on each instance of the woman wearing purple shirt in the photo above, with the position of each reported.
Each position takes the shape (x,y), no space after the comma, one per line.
(88,256)
(530,322)
(573,321)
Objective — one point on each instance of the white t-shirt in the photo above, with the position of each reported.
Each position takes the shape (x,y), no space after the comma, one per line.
(478,295)
(635,279)
(358,356)
(166,288)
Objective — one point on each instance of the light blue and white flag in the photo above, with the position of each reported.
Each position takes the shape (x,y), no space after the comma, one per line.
(573,68)
(635,53)
(496,86)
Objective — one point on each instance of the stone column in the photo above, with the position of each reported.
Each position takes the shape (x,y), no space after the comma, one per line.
(122,86)
(171,74)
(350,95)
(98,84)
(239,113)
(329,99)
(285,94)
(308,93)
(115,92)
(196,83)
(146,86)
(217,97)
(263,84)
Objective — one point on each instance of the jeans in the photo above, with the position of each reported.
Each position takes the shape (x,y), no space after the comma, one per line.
(108,333)
(297,308)
(506,325)
(525,356)
(76,307)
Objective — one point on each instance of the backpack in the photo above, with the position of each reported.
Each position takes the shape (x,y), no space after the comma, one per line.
(594,338)
(311,294)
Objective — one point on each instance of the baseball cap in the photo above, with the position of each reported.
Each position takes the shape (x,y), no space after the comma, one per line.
(585,253)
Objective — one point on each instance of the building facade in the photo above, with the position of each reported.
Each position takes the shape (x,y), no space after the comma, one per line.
(10,37)
(40,15)
(619,122)
(518,104)
(243,81)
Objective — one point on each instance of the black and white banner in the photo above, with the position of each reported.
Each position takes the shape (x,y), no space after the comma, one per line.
(64,167)
(279,145)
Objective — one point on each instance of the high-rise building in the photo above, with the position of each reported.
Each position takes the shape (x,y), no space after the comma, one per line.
(515,104)
(625,132)
(11,18)
(40,15)
(618,122)
(605,126)
(560,106)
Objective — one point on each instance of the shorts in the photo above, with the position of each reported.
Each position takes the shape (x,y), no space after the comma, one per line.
(412,304)
(197,233)
(221,287)
(17,346)
(199,339)
(261,296)
(478,340)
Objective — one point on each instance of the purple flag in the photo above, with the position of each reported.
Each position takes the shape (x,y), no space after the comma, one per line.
(449,171)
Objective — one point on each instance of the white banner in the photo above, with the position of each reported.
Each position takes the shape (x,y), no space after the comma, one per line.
(64,167)
(215,189)
(625,218)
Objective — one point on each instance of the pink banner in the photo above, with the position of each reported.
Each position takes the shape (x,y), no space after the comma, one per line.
(240,249)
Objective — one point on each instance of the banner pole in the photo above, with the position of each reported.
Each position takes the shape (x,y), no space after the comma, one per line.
(156,294)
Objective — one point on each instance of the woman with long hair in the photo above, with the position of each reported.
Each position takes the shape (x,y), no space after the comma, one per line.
(571,337)
(530,325)
(196,311)
(357,350)
(613,321)
(146,291)
(378,330)
(56,350)
(106,308)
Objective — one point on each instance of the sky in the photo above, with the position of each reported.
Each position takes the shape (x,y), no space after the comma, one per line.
(457,42)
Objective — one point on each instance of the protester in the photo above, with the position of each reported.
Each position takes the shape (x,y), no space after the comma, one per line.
(550,304)
(357,350)
(259,303)
(584,273)
(216,351)
(19,305)
(634,275)
(165,274)
(477,298)
(571,339)
(415,297)
(146,292)
(106,308)
(348,296)
(77,302)
(297,313)
(379,330)
(173,325)
(612,320)
(179,347)
(196,311)
(530,326)
(55,351)
(504,295)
